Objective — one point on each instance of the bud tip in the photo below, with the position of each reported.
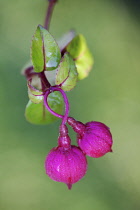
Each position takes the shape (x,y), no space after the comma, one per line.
(69,185)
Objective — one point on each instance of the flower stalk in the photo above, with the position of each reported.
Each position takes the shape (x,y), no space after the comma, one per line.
(65,163)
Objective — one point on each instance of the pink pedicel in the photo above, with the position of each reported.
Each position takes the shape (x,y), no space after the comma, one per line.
(96,140)
(66,165)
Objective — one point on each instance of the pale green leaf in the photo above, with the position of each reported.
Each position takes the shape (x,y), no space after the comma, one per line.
(79,51)
(35,96)
(84,65)
(66,75)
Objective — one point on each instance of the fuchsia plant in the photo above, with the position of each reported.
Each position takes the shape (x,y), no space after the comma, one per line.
(56,68)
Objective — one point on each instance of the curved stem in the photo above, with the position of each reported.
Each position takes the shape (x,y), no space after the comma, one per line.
(65,116)
(49,13)
(48,107)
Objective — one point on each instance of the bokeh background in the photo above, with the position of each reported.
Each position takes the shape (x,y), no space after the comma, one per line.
(111,94)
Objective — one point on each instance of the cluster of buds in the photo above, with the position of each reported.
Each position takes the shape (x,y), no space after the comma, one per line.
(67,163)
(56,67)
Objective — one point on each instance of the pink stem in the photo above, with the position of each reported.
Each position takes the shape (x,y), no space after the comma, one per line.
(65,116)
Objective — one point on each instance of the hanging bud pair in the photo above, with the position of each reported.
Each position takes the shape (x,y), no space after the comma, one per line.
(67,163)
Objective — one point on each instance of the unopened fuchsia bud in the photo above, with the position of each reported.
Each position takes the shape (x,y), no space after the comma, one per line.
(94,138)
(66,163)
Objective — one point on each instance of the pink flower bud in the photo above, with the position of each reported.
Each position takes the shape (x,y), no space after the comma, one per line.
(66,165)
(96,139)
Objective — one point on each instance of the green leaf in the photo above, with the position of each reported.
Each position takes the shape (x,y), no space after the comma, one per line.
(79,51)
(77,46)
(34,92)
(35,96)
(45,52)
(38,114)
(66,75)
(84,65)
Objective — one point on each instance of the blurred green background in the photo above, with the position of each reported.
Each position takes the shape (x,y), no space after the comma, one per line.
(111,94)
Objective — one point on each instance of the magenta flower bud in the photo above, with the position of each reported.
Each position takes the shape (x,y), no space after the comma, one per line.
(96,140)
(66,165)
